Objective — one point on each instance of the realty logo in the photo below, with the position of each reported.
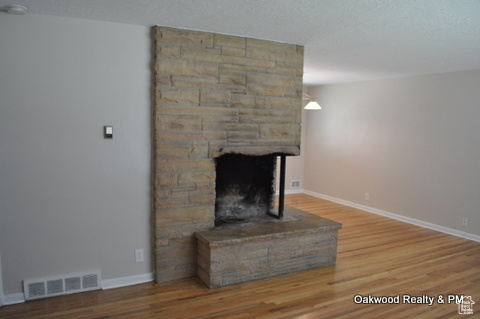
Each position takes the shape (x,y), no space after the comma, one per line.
(466,306)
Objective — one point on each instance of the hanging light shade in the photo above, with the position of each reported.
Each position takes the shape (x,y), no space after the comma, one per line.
(313,105)
(15,9)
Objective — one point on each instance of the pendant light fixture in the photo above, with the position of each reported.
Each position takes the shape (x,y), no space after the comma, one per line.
(312,104)
(15,9)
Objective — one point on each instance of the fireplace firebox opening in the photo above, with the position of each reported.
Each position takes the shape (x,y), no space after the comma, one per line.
(245,187)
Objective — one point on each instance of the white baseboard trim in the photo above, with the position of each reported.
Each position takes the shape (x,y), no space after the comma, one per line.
(13,299)
(126,281)
(291,191)
(16,298)
(405,219)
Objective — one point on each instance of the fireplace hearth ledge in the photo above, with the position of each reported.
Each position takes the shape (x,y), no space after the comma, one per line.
(236,253)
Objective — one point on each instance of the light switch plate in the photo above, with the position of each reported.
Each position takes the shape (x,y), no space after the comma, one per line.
(108,131)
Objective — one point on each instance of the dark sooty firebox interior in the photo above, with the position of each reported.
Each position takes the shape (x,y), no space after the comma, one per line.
(244,187)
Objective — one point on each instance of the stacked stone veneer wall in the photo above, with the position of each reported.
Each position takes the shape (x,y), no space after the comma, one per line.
(213,94)
(224,262)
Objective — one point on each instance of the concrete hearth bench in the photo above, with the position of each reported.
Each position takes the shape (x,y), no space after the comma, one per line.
(236,253)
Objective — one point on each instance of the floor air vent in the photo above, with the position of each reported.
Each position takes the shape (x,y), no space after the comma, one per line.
(50,287)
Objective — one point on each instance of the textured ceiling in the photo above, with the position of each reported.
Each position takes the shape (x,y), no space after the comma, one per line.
(345,40)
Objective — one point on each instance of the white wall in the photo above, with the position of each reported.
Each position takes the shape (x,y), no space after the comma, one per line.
(411,143)
(71,201)
(1,283)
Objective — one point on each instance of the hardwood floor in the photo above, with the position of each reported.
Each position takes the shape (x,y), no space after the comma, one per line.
(377,256)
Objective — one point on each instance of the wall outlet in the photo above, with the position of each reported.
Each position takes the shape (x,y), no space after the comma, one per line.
(139,255)
(367,196)
(464,221)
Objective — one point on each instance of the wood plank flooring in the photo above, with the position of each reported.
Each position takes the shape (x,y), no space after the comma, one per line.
(377,256)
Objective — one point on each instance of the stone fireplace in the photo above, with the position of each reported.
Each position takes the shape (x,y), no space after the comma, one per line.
(224,108)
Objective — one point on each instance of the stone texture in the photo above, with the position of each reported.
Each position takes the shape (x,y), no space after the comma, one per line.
(172,95)
(233,51)
(240,253)
(222,40)
(170,50)
(213,94)
(183,36)
(186,67)
(178,123)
